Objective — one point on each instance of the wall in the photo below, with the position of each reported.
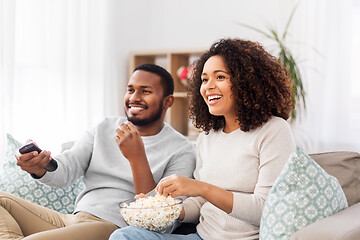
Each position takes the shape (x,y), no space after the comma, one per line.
(84,47)
(174,24)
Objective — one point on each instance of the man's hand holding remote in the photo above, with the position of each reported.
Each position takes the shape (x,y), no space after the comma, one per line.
(35,161)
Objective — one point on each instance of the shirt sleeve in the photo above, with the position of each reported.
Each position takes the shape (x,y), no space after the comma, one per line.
(275,143)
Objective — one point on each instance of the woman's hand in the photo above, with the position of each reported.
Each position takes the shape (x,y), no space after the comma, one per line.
(176,185)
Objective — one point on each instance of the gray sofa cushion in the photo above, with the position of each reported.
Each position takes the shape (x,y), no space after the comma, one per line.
(345,166)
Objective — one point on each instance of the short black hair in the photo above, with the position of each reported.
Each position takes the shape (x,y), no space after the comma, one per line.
(166,79)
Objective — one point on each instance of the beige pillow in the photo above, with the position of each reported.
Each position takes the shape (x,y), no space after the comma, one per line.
(345,166)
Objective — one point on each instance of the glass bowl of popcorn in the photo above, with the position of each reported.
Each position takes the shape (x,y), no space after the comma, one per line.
(152,213)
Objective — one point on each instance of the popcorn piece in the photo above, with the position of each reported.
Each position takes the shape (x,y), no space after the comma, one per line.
(152,213)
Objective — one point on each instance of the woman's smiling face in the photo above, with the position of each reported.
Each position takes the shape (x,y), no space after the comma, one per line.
(216,88)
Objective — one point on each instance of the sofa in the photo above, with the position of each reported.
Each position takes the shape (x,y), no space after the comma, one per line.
(343,225)
(344,166)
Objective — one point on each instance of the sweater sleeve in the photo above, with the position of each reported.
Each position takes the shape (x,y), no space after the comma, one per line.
(182,162)
(274,143)
(181,153)
(72,163)
(192,206)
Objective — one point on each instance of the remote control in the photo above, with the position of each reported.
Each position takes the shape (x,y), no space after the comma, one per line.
(52,166)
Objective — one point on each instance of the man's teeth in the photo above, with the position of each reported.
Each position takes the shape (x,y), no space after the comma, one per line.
(137,108)
(210,98)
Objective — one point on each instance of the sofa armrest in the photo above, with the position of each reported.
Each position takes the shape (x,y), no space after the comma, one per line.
(344,225)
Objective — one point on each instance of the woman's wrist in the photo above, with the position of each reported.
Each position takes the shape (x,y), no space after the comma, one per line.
(204,189)
(217,196)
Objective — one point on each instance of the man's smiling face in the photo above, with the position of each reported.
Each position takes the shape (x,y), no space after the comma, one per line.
(144,98)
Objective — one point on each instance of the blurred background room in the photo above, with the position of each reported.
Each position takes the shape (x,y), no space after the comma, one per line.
(64,64)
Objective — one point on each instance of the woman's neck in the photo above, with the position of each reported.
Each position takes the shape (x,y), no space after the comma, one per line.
(231,124)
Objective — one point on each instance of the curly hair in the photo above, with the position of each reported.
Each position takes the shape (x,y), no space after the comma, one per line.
(261,87)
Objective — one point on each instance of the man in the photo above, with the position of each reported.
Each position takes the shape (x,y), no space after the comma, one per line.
(145,149)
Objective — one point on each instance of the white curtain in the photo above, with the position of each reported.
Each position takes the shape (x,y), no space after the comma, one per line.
(53,69)
(332,80)
(59,62)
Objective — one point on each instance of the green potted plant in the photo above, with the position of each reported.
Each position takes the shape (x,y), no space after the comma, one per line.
(286,58)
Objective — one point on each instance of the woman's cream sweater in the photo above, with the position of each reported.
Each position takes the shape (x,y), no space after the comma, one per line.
(245,163)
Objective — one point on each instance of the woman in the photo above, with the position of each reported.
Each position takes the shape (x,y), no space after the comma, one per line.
(242,108)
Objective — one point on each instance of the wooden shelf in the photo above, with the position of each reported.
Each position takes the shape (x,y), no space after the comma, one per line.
(177,115)
(180,94)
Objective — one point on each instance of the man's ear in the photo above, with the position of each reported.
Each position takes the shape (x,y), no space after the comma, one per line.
(168,101)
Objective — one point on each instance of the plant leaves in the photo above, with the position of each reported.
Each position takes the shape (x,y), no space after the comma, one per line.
(289,21)
(256,30)
(286,59)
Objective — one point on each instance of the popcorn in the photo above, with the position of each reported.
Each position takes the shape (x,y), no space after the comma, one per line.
(152,213)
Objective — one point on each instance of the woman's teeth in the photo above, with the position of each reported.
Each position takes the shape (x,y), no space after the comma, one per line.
(210,98)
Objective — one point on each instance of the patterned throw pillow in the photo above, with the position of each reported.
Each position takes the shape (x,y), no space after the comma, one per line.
(18,182)
(302,194)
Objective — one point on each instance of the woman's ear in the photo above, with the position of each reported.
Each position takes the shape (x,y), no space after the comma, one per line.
(168,101)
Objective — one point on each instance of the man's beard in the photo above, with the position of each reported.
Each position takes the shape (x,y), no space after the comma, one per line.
(152,118)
